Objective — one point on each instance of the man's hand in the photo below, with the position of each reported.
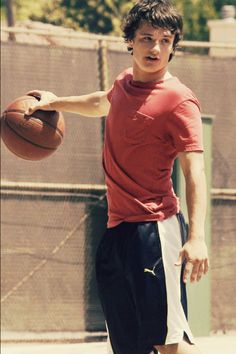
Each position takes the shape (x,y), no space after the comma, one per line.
(44,100)
(195,253)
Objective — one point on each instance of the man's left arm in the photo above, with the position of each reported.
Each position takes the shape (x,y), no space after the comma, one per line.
(195,250)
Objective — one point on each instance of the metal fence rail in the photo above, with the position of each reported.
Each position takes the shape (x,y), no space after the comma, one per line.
(108,39)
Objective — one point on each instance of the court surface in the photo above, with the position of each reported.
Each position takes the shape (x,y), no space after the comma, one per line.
(220,344)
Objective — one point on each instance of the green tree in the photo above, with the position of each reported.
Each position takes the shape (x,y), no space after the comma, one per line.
(23,9)
(196,14)
(97,16)
(105,16)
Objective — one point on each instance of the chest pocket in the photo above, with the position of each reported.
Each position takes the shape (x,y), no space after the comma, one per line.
(136,128)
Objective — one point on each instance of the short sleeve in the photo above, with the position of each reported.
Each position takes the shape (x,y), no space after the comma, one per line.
(109,93)
(184,127)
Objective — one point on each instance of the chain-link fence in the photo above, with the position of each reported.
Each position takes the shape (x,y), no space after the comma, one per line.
(54,210)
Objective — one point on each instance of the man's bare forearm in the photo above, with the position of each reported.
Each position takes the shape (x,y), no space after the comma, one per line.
(196,202)
(87,105)
(95,104)
(194,250)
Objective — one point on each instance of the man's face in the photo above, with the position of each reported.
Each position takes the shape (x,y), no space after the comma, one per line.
(151,50)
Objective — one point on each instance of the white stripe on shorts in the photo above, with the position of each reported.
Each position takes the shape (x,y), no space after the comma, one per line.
(171,244)
(109,347)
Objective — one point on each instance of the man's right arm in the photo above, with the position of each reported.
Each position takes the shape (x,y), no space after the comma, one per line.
(95,104)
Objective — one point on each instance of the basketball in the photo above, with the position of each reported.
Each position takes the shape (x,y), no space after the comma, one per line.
(32,137)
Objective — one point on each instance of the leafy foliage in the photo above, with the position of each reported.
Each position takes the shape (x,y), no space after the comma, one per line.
(97,16)
(196,14)
(105,16)
(24,8)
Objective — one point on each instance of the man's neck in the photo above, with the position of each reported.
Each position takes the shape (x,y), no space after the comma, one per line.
(150,77)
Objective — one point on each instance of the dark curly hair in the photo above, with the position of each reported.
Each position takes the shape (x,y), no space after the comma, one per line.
(159,13)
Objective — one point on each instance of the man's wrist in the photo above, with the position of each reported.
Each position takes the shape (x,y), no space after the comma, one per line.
(198,236)
(55,103)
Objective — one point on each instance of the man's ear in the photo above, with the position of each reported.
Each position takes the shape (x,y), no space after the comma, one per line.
(130,43)
(172,53)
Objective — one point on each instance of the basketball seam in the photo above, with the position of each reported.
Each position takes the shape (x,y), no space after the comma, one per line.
(17,153)
(23,112)
(29,141)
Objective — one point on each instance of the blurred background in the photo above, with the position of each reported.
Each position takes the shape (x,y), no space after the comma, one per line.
(53,212)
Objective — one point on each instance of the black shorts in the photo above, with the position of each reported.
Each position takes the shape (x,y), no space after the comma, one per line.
(140,288)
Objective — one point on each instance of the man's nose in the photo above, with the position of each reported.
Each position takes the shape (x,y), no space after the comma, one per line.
(156,48)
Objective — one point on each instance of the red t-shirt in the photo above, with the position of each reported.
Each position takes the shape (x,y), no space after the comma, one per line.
(147,126)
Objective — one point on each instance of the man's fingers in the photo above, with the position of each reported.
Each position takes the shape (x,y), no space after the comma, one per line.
(200,271)
(206,265)
(31,110)
(180,260)
(35,93)
(194,272)
(187,270)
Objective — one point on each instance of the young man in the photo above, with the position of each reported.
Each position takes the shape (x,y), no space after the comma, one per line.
(144,259)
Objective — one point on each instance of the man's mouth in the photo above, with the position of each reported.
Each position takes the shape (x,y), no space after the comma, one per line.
(152,58)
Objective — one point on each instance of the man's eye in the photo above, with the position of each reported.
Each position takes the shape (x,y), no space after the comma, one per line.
(147,39)
(165,41)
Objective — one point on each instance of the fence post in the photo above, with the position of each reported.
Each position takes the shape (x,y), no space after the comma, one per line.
(103,72)
(10,18)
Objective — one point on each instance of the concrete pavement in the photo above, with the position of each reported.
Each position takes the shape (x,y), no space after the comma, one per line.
(219,344)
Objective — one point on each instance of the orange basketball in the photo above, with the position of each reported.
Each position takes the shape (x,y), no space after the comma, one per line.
(31,137)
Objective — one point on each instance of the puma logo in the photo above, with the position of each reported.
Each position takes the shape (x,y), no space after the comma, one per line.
(146,270)
(152,271)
